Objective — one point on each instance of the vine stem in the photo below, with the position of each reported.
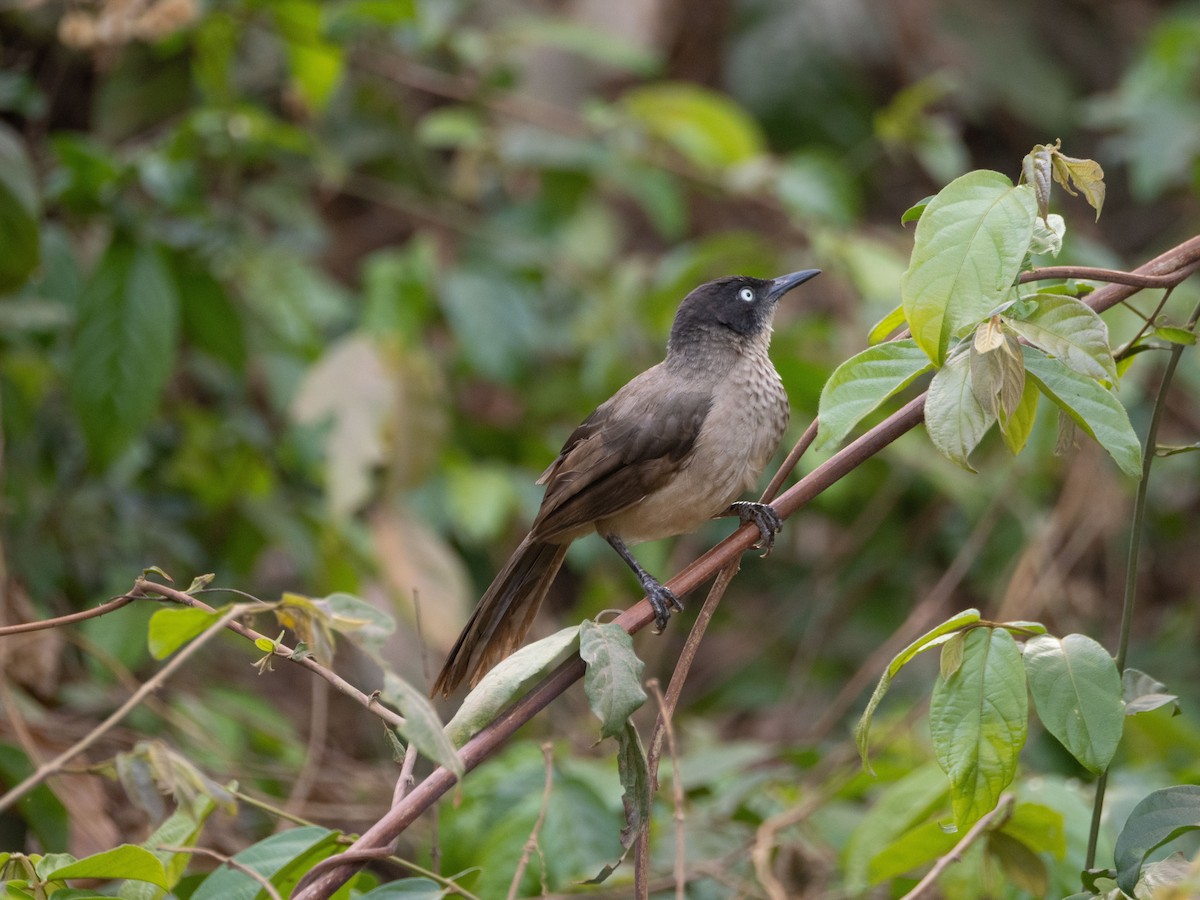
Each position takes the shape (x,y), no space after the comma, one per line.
(1136,530)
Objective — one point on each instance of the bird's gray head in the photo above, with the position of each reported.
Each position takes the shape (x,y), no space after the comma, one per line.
(739,303)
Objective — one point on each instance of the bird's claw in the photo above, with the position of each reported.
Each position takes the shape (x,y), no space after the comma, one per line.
(662,601)
(764,518)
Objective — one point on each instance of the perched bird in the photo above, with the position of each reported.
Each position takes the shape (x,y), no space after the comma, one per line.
(671,449)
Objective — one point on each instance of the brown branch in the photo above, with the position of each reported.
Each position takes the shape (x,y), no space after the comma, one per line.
(106,607)
(1179,262)
(1089,273)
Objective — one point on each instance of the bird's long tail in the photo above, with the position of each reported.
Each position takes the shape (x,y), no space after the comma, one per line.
(504,614)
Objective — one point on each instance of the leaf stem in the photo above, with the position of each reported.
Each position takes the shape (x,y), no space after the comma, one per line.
(1137,528)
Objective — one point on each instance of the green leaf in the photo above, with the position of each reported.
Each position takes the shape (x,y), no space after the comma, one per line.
(1070,331)
(584,40)
(898,810)
(1176,335)
(181,829)
(932,638)
(1021,864)
(170,629)
(1048,234)
(282,858)
(1015,429)
(20,237)
(1090,406)
(127,861)
(507,680)
(969,246)
(1077,692)
(1160,817)
(422,725)
(954,418)
(914,212)
(316,63)
(979,718)
(918,846)
(706,127)
(952,654)
(1143,693)
(405,889)
(884,327)
(124,348)
(860,384)
(1039,827)
(613,681)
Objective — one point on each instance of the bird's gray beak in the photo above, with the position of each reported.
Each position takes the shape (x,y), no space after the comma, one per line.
(784,283)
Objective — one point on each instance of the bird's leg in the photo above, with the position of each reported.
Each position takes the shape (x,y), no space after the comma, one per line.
(764,518)
(660,597)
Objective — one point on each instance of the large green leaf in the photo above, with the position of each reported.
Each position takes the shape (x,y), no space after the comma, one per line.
(613,682)
(1077,692)
(978,719)
(1070,331)
(954,417)
(124,348)
(969,245)
(126,861)
(172,627)
(901,807)
(936,636)
(863,382)
(507,680)
(1093,408)
(1160,817)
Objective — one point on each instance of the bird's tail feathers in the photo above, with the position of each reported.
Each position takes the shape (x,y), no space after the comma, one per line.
(504,614)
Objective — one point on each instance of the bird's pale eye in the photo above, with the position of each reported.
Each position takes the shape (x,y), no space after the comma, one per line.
(746,294)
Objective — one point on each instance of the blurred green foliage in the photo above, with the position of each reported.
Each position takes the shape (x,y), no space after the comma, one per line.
(306,294)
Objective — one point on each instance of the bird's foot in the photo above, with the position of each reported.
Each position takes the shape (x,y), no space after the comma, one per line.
(662,601)
(764,518)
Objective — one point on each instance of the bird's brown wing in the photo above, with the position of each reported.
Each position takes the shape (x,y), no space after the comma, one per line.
(628,448)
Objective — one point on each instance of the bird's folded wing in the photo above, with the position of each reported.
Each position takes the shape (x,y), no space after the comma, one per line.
(627,449)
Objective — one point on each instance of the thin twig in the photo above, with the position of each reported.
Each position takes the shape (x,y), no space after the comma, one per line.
(405,781)
(314,752)
(993,820)
(227,861)
(677,793)
(42,624)
(531,843)
(687,655)
(1090,273)
(152,684)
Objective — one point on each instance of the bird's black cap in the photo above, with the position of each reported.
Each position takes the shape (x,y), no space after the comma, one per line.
(739,303)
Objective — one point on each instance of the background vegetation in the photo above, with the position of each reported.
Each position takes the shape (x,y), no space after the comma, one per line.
(306,294)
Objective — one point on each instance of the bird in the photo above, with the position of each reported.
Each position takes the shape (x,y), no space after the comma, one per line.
(673,448)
